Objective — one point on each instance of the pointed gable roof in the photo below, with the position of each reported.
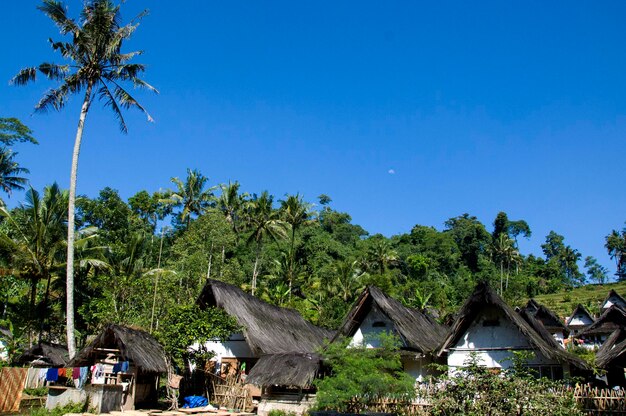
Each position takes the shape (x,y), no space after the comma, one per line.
(613,352)
(615,299)
(611,319)
(547,317)
(533,330)
(417,328)
(579,310)
(268,329)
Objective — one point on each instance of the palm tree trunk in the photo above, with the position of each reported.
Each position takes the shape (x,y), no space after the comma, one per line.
(71,341)
(256,265)
(44,314)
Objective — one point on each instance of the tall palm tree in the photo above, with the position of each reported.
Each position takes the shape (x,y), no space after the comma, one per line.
(504,254)
(230,203)
(265,223)
(10,172)
(297,213)
(35,237)
(97,68)
(191,195)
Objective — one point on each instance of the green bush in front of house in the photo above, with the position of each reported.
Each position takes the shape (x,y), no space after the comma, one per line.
(478,390)
(361,376)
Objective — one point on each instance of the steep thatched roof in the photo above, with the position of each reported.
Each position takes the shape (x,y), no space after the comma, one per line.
(617,297)
(483,296)
(419,330)
(544,315)
(611,319)
(285,369)
(613,352)
(45,354)
(134,345)
(268,329)
(579,310)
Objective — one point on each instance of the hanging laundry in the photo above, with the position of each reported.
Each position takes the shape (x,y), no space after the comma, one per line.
(42,373)
(117,367)
(84,371)
(125,366)
(75,373)
(97,374)
(52,374)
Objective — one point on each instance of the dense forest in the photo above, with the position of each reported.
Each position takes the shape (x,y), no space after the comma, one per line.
(144,261)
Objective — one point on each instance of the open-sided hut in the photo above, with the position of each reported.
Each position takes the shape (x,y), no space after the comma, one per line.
(613,298)
(579,320)
(126,364)
(45,354)
(549,320)
(491,329)
(374,313)
(597,333)
(612,358)
(277,345)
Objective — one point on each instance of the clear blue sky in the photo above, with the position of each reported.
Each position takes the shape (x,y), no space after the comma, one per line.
(403,112)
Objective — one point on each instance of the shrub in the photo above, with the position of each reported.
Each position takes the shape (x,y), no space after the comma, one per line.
(361,376)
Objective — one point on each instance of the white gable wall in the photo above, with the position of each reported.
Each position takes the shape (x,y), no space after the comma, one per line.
(580,319)
(374,324)
(613,300)
(493,337)
(234,347)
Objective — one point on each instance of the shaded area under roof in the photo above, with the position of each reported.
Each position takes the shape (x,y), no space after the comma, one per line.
(611,320)
(285,369)
(268,329)
(545,315)
(612,353)
(418,329)
(134,345)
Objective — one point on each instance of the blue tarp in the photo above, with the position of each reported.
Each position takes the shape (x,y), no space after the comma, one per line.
(194,401)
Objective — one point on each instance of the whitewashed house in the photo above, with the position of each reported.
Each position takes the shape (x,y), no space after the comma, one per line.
(596,334)
(613,298)
(374,313)
(579,320)
(489,328)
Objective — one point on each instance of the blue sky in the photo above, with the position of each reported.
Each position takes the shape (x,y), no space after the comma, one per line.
(403,112)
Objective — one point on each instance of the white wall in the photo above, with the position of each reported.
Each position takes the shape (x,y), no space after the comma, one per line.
(235,346)
(580,319)
(418,368)
(3,353)
(493,344)
(613,300)
(369,335)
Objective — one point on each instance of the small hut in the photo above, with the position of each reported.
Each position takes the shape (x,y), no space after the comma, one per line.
(374,313)
(125,367)
(548,319)
(491,329)
(597,333)
(45,354)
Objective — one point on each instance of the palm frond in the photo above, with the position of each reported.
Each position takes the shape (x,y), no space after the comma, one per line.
(127,101)
(110,101)
(25,76)
(54,71)
(57,13)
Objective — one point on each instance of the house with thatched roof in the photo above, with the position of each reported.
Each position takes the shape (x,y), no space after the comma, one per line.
(278,346)
(45,354)
(549,320)
(579,320)
(489,328)
(374,313)
(613,298)
(124,365)
(611,357)
(596,334)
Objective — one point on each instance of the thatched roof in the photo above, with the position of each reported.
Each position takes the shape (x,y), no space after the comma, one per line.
(617,297)
(613,352)
(548,318)
(45,354)
(611,319)
(533,330)
(135,345)
(268,329)
(579,310)
(418,329)
(285,369)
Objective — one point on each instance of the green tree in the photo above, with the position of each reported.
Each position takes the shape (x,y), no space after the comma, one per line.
(10,172)
(231,203)
(471,237)
(13,131)
(191,195)
(615,244)
(265,223)
(595,271)
(150,207)
(98,68)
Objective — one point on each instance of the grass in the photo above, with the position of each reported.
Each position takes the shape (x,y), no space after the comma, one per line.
(590,296)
